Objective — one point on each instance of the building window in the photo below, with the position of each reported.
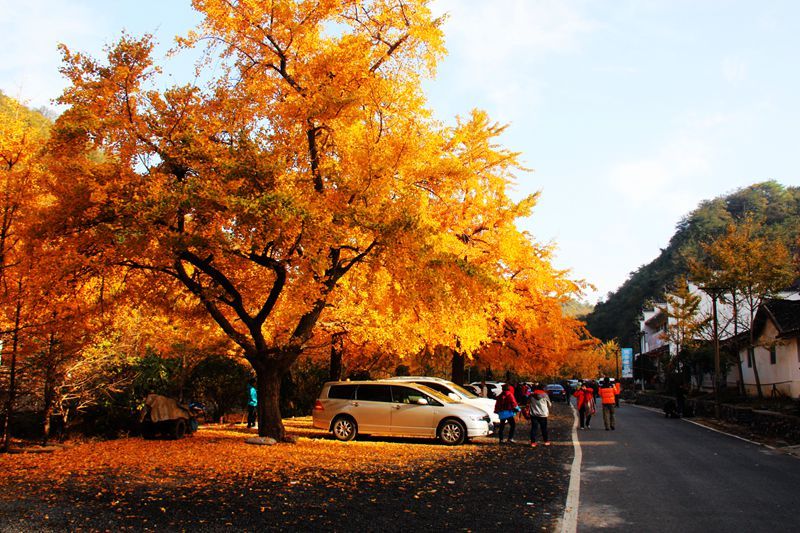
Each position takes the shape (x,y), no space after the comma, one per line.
(773,355)
(750,357)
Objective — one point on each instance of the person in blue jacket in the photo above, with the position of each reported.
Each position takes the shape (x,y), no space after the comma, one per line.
(252,403)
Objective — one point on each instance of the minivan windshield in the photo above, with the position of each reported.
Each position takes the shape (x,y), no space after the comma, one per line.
(463,392)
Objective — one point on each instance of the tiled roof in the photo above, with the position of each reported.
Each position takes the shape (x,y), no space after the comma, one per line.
(785,314)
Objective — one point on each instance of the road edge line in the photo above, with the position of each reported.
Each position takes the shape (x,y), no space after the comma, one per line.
(569,522)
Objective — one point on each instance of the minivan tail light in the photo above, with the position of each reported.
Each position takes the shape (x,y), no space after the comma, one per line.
(318,406)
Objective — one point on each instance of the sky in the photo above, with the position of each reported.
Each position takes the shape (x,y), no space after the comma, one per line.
(629,112)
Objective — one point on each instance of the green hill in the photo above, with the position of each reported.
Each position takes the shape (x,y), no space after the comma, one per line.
(779,206)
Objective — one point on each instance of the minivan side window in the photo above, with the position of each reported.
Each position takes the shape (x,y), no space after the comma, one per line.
(342,392)
(410,395)
(406,395)
(374,393)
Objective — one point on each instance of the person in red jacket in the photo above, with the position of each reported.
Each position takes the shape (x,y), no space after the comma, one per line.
(585,406)
(607,396)
(506,407)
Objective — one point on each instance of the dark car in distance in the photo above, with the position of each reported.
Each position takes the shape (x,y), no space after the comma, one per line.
(556,392)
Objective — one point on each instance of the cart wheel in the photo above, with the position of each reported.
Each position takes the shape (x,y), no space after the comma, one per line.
(179,431)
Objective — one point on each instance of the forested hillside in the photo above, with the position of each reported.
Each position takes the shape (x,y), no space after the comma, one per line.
(776,205)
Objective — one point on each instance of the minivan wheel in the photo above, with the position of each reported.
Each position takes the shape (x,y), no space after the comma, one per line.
(452,432)
(344,428)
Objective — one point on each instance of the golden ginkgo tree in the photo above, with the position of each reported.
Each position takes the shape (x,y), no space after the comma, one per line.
(307,153)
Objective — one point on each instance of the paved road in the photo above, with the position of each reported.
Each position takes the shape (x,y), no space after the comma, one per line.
(662,475)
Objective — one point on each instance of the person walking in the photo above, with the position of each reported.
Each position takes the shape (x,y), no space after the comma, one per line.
(506,408)
(585,405)
(252,402)
(680,399)
(540,409)
(617,392)
(609,403)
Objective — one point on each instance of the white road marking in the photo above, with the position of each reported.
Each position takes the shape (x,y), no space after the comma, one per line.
(569,523)
(708,427)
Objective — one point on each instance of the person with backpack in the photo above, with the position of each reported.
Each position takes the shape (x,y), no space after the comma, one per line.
(585,405)
(540,409)
(506,408)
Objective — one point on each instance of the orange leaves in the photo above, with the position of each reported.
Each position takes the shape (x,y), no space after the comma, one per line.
(216,455)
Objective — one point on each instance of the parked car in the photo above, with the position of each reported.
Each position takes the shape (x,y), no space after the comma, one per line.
(556,392)
(474,389)
(454,392)
(494,388)
(349,408)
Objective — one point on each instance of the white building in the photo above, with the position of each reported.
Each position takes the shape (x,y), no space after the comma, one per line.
(776,355)
(655,322)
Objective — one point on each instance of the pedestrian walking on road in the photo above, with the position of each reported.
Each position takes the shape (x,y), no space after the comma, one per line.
(607,396)
(680,399)
(585,405)
(540,409)
(506,408)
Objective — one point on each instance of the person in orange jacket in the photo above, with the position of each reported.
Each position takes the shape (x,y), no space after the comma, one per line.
(617,390)
(607,397)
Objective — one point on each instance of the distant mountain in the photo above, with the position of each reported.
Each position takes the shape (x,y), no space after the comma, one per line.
(618,316)
(577,308)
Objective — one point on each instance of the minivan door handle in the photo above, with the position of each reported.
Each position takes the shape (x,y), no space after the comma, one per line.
(396,406)
(354,404)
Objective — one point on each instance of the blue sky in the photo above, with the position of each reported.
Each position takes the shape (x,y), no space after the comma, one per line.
(630,112)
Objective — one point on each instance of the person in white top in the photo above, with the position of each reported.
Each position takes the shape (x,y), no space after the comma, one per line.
(540,409)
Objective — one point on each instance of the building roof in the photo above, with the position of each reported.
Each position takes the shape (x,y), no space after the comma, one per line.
(784,314)
(658,352)
(658,319)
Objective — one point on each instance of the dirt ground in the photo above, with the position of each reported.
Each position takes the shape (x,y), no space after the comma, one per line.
(213,481)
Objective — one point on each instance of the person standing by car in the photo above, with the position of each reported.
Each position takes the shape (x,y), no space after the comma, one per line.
(540,409)
(252,402)
(506,408)
(607,396)
(617,392)
(585,405)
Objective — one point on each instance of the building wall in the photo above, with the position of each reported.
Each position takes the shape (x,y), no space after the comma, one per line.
(784,375)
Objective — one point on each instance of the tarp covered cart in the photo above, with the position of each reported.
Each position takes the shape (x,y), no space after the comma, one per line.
(164,416)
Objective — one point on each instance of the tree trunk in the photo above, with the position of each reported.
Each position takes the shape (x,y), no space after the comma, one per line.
(12,383)
(268,388)
(47,410)
(49,390)
(753,357)
(337,348)
(64,421)
(457,368)
(741,387)
(755,371)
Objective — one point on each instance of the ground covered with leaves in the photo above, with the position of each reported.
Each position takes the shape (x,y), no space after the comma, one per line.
(213,481)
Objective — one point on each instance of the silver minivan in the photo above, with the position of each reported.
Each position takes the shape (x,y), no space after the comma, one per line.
(347,408)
